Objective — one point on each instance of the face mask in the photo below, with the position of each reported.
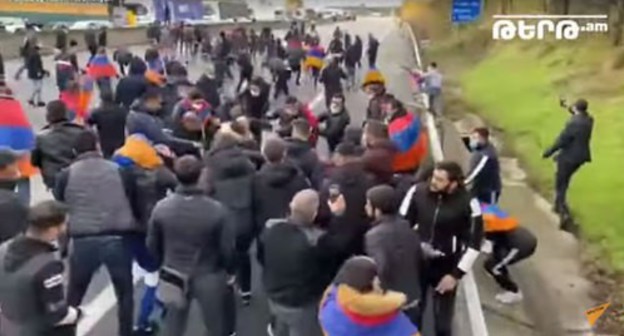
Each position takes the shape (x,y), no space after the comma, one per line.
(335,108)
(254,93)
(474,144)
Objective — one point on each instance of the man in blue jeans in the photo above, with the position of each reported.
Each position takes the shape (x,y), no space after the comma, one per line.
(100,200)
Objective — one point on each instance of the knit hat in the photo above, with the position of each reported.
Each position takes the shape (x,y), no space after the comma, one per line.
(373,76)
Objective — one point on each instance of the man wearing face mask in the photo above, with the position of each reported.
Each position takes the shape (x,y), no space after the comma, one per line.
(335,122)
(32,280)
(14,213)
(484,167)
(332,77)
(450,224)
(374,85)
(255,104)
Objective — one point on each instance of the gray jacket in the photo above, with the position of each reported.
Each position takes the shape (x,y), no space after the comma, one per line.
(99,196)
(395,247)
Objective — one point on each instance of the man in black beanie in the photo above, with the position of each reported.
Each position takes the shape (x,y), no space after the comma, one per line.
(394,246)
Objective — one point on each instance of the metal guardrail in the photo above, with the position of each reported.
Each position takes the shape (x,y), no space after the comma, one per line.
(468,284)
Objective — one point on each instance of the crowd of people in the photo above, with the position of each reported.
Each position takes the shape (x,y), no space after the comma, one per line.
(183,181)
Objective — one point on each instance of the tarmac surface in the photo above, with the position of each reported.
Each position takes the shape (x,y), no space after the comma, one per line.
(395,53)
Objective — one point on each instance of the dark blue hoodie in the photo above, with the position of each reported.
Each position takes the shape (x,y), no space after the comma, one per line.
(133,86)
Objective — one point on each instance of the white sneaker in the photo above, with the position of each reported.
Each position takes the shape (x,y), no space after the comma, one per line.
(509,297)
(270,330)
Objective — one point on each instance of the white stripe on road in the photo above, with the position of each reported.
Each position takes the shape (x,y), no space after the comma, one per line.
(96,309)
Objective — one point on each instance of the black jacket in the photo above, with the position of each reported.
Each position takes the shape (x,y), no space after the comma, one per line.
(335,125)
(484,170)
(54,149)
(210,90)
(132,87)
(13,212)
(573,142)
(110,121)
(352,56)
(346,231)
(34,66)
(281,181)
(189,231)
(230,181)
(451,223)
(332,77)
(396,250)
(293,264)
(303,155)
(90,38)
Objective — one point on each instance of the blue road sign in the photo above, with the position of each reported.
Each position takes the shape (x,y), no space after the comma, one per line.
(466,11)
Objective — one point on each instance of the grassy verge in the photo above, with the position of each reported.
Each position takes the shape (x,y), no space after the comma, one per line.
(515,86)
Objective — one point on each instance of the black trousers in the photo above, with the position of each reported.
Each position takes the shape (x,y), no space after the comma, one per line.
(281,87)
(563,176)
(496,266)
(443,304)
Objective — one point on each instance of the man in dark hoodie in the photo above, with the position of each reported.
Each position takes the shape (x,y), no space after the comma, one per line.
(379,153)
(13,212)
(350,180)
(278,178)
(133,86)
(303,154)
(230,179)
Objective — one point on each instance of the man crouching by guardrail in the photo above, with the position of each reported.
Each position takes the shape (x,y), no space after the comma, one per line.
(450,223)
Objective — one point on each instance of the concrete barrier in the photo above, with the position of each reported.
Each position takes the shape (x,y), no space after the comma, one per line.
(118,37)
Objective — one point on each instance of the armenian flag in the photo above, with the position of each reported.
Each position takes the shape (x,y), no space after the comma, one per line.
(314,57)
(497,220)
(78,102)
(16,132)
(137,151)
(157,65)
(101,67)
(411,141)
(346,312)
(154,77)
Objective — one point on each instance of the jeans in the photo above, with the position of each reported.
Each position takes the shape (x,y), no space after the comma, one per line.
(211,292)
(23,190)
(565,171)
(434,94)
(243,261)
(295,321)
(104,84)
(36,93)
(86,257)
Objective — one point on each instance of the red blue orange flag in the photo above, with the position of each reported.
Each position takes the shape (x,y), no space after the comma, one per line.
(497,220)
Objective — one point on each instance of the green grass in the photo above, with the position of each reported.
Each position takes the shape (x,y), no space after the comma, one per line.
(516,87)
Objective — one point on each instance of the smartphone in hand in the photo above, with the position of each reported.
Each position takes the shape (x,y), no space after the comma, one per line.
(334,192)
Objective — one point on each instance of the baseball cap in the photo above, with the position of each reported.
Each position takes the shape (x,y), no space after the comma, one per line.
(8,157)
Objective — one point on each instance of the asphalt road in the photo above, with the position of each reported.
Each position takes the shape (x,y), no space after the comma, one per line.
(100,302)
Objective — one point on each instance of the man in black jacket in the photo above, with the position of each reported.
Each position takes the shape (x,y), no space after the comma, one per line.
(303,155)
(395,247)
(230,181)
(110,121)
(484,167)
(450,225)
(255,103)
(293,275)
(573,150)
(201,249)
(278,178)
(332,77)
(132,87)
(13,212)
(54,146)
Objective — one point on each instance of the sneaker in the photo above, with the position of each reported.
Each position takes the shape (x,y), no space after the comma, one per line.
(270,330)
(509,297)
(245,298)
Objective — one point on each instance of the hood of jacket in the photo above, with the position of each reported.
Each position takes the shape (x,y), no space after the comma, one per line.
(279,174)
(22,249)
(137,150)
(346,311)
(229,162)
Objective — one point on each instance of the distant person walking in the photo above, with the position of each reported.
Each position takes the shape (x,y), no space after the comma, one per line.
(572,149)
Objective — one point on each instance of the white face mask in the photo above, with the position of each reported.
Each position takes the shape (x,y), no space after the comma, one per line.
(254,93)
(334,108)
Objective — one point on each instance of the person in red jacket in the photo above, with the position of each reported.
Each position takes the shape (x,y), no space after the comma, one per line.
(294,109)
